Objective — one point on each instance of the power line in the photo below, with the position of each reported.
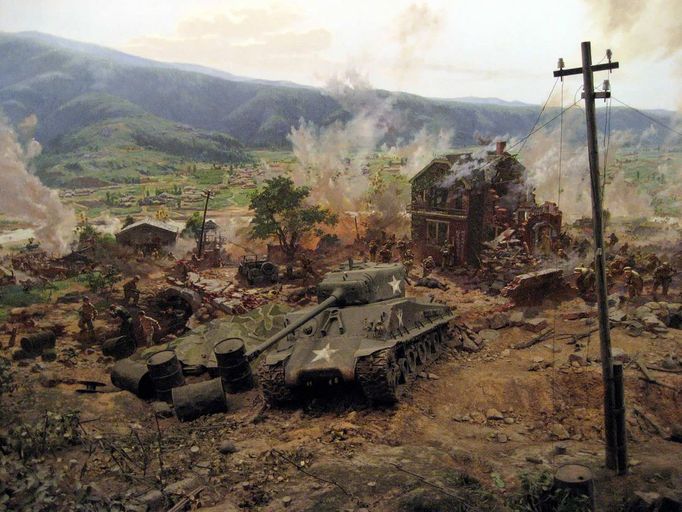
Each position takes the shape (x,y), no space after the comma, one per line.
(542,110)
(650,118)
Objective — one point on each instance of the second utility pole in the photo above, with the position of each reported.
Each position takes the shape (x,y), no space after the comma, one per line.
(615,448)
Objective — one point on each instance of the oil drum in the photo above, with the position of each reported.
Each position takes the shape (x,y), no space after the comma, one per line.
(133,376)
(233,367)
(119,347)
(166,373)
(35,343)
(195,400)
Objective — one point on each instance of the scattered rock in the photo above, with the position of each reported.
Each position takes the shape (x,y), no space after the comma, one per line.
(433,376)
(645,501)
(618,354)
(560,449)
(48,379)
(509,420)
(227,447)
(535,324)
(194,449)
(154,501)
(489,335)
(494,414)
(498,321)
(577,358)
(286,501)
(559,432)
(534,459)
(505,353)
(501,437)
(617,315)
(162,409)
(477,417)
(182,486)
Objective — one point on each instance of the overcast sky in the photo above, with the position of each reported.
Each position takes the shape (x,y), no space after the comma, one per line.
(433,48)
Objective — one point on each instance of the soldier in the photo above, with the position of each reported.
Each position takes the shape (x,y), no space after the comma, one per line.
(445,256)
(148,327)
(652,262)
(562,254)
(87,313)
(386,254)
(623,251)
(407,259)
(373,247)
(130,291)
(585,280)
(402,247)
(427,266)
(633,282)
(613,239)
(663,276)
(307,266)
(125,317)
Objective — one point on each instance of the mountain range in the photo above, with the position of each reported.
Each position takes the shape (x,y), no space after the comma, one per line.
(79,91)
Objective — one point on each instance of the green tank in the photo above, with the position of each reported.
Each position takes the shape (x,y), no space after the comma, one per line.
(363,330)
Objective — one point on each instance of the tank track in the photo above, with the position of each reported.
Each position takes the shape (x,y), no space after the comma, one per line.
(385,375)
(275,390)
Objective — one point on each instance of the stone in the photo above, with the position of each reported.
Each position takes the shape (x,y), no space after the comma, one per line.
(489,335)
(183,486)
(618,354)
(498,321)
(48,379)
(577,358)
(153,500)
(227,447)
(469,345)
(505,353)
(534,459)
(501,437)
(194,449)
(433,376)
(560,449)
(516,319)
(535,324)
(644,502)
(559,432)
(494,414)
(286,501)
(617,315)
(162,409)
(509,420)
(477,417)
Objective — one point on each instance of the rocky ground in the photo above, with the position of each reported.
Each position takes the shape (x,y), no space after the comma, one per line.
(464,438)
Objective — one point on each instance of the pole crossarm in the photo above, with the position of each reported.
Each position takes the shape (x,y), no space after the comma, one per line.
(579,71)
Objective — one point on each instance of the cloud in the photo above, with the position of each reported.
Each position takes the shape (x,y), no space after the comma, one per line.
(243,41)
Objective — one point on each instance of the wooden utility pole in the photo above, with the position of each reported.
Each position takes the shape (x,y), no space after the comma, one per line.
(207,193)
(611,415)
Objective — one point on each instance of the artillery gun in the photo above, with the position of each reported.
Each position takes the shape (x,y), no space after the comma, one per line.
(363,330)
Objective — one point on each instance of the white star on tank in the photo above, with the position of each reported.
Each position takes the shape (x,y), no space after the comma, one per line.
(324,354)
(395,284)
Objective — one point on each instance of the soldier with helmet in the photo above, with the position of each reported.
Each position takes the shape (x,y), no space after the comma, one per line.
(663,276)
(633,282)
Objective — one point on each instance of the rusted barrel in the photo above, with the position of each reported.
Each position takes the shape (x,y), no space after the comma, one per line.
(133,376)
(119,347)
(166,373)
(233,367)
(37,342)
(575,481)
(194,400)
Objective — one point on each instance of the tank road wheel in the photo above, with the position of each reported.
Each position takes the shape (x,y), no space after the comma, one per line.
(379,377)
(404,370)
(424,352)
(412,356)
(275,391)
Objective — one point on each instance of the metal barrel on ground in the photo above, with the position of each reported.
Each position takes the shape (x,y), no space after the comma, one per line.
(166,373)
(133,376)
(233,366)
(195,400)
(35,343)
(119,347)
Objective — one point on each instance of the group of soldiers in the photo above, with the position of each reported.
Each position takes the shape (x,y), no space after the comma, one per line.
(143,331)
(381,251)
(630,265)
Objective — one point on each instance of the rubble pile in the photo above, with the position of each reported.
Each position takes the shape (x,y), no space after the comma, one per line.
(501,261)
(228,296)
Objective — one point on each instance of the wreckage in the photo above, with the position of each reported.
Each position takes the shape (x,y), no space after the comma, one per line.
(363,330)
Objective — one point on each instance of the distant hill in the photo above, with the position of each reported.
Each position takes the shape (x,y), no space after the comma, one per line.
(78,89)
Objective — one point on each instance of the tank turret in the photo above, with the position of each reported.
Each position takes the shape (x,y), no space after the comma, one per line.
(352,284)
(363,330)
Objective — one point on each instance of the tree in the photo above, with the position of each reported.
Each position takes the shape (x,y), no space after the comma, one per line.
(193,225)
(128,221)
(282,214)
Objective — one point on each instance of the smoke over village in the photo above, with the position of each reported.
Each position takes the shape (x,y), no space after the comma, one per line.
(357,256)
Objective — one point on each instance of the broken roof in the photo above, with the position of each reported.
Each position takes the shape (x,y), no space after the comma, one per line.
(150,222)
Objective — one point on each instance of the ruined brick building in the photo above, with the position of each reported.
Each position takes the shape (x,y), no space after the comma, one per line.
(466,199)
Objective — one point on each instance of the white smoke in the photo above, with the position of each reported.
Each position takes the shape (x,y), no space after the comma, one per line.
(24,197)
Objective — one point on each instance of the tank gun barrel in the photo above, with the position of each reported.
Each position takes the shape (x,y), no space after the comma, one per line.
(327,303)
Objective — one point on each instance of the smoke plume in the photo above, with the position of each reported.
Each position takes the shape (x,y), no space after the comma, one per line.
(24,197)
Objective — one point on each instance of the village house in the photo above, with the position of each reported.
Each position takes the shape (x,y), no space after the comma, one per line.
(463,200)
(148,235)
